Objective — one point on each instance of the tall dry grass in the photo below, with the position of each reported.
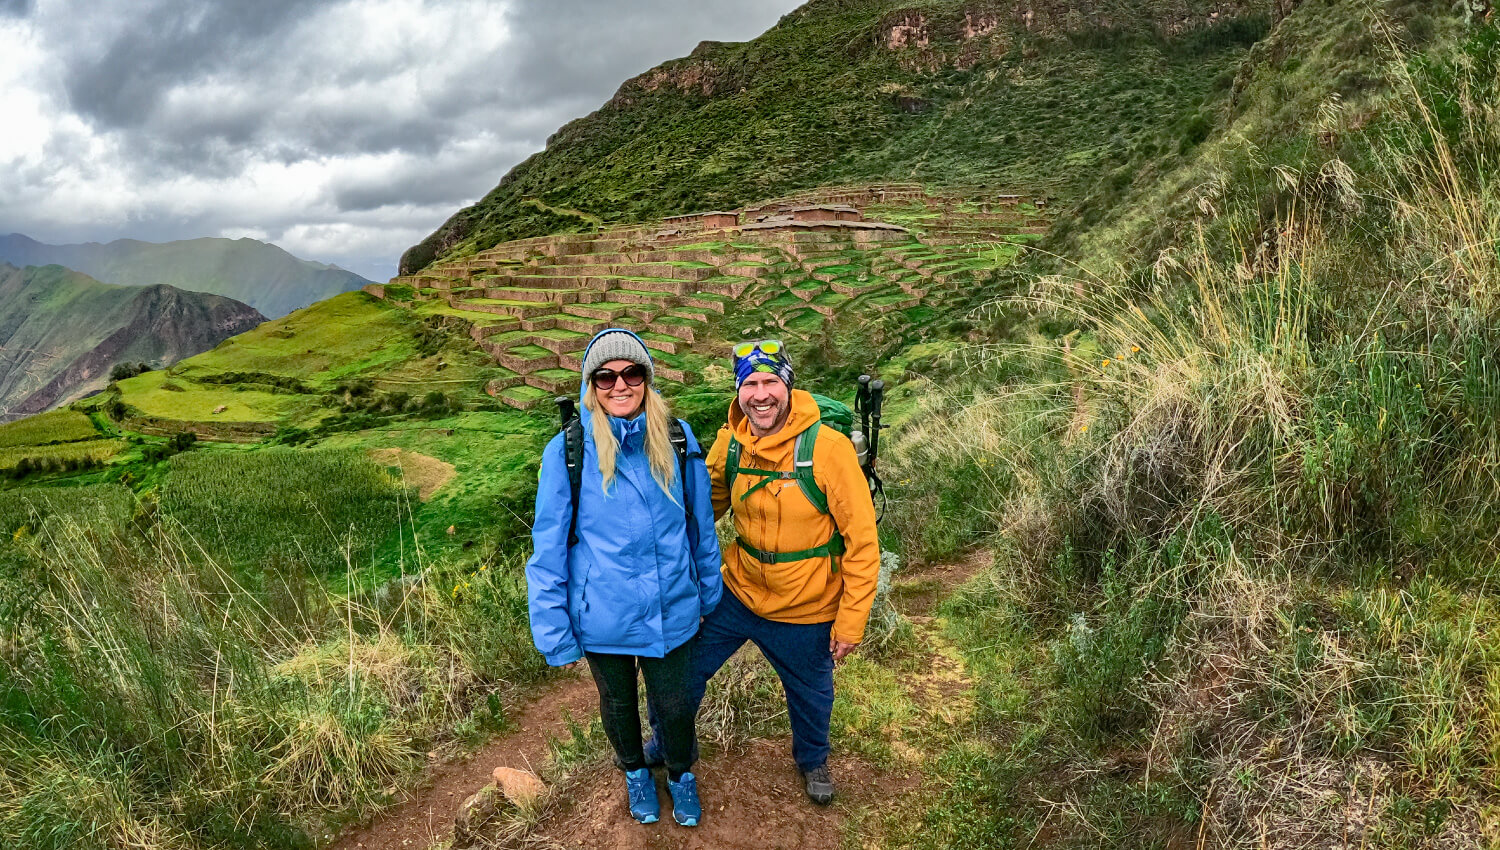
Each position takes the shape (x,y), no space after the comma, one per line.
(1247,493)
(148,699)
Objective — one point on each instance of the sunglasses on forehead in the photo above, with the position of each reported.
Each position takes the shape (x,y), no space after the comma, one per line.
(765,346)
(634,375)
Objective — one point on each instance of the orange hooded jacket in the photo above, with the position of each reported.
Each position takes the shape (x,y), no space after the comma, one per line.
(778,518)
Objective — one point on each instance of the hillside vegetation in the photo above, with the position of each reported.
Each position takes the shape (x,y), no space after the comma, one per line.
(1223,444)
(259,274)
(61,332)
(1041,98)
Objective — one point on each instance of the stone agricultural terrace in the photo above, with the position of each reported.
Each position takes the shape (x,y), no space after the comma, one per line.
(690,284)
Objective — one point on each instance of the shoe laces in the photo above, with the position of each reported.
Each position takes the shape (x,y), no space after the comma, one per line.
(637,788)
(819,774)
(686,788)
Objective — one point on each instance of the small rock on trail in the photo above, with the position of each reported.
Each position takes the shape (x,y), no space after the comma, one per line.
(429,814)
(521,787)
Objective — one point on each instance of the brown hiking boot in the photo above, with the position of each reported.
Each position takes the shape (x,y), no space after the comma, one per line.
(818,784)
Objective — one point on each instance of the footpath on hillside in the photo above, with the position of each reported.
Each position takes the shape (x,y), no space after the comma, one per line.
(751,792)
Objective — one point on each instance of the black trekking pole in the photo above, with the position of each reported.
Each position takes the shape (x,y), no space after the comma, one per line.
(567,409)
(862,404)
(877,395)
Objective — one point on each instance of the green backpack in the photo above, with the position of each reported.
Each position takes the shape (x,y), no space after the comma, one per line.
(834,414)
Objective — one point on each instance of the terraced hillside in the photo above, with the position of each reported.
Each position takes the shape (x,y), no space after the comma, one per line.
(690,283)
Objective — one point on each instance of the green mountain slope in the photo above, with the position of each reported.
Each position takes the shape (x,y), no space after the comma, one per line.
(261,275)
(61,331)
(1039,97)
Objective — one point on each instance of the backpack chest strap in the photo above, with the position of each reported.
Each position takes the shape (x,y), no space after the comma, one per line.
(801,471)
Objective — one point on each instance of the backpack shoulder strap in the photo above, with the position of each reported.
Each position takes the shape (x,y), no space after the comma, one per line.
(731,465)
(573,456)
(802,468)
(677,434)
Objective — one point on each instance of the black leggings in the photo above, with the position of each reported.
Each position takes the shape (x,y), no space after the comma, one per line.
(666,695)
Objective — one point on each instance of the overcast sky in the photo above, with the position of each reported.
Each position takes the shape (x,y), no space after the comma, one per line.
(342,131)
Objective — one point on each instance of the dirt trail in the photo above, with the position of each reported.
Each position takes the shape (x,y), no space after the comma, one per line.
(427,816)
(752,795)
(752,798)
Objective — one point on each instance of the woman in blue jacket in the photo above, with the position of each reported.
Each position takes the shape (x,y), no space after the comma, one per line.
(640,572)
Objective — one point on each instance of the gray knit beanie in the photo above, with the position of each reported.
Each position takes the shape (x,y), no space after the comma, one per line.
(615,344)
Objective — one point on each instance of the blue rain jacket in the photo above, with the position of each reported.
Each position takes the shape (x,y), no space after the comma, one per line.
(634,584)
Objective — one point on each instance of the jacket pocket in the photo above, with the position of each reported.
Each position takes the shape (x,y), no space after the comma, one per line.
(611,611)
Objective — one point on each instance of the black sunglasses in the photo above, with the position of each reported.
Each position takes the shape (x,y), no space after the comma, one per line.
(634,376)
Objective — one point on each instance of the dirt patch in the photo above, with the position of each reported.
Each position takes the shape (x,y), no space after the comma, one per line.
(425,473)
(427,815)
(752,798)
(920,589)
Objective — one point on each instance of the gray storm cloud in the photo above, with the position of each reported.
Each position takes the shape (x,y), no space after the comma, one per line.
(341,131)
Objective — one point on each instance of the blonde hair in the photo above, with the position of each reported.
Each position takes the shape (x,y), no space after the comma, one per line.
(658,442)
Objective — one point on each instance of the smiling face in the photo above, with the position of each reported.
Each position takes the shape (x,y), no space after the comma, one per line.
(766,401)
(620,399)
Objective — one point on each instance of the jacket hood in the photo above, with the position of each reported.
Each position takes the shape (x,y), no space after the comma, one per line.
(802,416)
(583,380)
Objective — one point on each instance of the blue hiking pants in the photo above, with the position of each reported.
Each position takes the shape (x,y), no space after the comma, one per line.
(799,654)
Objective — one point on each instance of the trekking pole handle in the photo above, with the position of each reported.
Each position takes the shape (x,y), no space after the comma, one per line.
(566,408)
(862,403)
(877,395)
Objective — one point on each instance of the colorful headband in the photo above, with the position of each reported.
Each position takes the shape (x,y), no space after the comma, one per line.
(759,361)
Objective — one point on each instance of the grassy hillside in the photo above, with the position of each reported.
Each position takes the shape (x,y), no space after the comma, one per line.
(1041,99)
(1240,453)
(61,332)
(261,275)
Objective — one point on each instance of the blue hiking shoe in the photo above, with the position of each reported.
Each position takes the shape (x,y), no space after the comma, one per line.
(686,809)
(644,806)
(655,755)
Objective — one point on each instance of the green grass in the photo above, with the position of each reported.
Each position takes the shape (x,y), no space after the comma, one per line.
(495,455)
(441,308)
(530,352)
(103,504)
(158,395)
(57,426)
(188,709)
(344,335)
(94,450)
(326,509)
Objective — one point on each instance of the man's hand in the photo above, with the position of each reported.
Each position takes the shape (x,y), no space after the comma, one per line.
(840,649)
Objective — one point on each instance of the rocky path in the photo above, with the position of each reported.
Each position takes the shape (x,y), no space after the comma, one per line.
(427,816)
(751,793)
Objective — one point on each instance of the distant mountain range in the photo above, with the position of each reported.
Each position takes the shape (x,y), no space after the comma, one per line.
(61,332)
(256,273)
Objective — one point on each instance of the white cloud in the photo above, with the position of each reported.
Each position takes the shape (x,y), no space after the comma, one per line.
(343,132)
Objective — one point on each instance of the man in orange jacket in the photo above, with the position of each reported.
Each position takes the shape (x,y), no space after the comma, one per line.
(801,575)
